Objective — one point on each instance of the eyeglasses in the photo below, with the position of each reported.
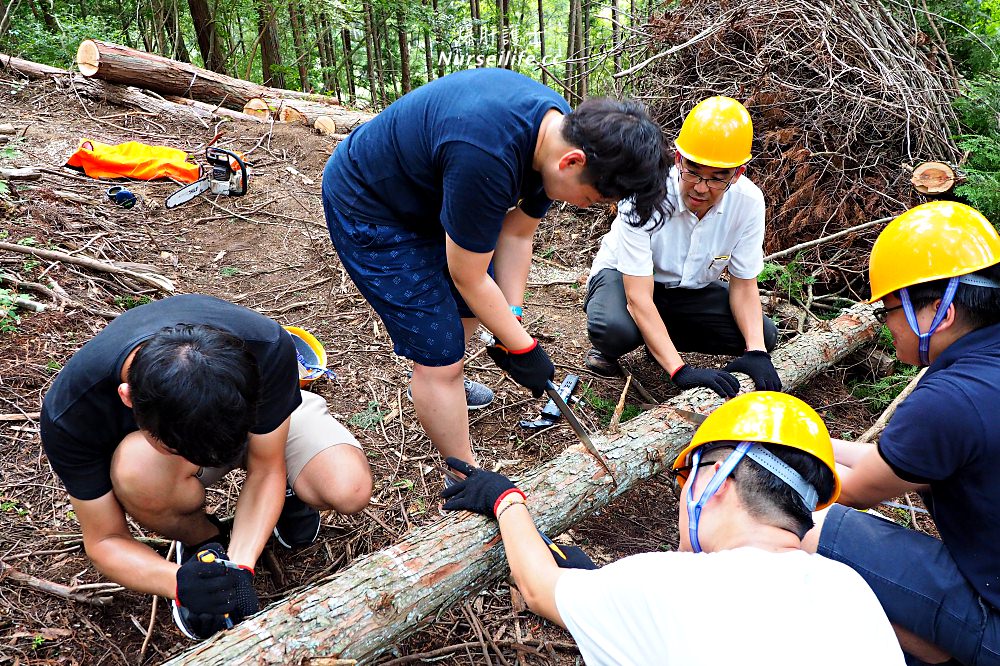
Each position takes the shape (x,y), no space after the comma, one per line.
(881,314)
(679,476)
(712,183)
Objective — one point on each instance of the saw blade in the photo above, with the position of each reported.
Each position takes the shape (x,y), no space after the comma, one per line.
(188,192)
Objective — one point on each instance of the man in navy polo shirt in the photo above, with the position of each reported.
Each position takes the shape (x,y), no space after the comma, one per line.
(935,268)
(432,206)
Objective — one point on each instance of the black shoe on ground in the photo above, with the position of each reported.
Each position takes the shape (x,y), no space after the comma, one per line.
(601,365)
(197,626)
(298,524)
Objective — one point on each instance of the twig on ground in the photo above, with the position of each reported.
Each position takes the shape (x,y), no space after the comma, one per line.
(873,433)
(152,279)
(93,594)
(616,417)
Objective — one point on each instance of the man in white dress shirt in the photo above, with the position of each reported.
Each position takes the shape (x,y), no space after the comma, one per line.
(659,283)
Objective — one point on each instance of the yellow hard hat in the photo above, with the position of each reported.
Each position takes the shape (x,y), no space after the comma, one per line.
(933,241)
(310,353)
(717,133)
(768,417)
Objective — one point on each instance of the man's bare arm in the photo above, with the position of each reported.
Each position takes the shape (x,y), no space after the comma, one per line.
(639,294)
(114,552)
(261,497)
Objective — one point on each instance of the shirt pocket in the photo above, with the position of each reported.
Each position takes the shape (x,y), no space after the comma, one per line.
(713,271)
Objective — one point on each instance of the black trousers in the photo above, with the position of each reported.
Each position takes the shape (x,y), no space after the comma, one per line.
(698,320)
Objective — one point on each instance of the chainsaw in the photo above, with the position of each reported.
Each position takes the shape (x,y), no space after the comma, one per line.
(223,178)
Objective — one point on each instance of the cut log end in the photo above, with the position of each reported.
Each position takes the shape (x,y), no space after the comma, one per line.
(288,114)
(257,108)
(933,178)
(88,57)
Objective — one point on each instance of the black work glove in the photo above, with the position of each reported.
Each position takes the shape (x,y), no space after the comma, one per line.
(720,381)
(757,366)
(575,558)
(246,598)
(479,492)
(210,587)
(531,368)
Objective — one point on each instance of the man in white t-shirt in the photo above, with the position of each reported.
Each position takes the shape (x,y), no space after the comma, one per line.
(741,591)
(659,283)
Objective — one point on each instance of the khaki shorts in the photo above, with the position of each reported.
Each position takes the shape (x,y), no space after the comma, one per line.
(312,430)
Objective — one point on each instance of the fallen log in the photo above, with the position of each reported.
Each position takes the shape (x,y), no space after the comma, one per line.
(308,113)
(103,91)
(361,611)
(33,70)
(122,65)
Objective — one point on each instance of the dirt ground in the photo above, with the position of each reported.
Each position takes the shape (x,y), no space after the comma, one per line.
(270,251)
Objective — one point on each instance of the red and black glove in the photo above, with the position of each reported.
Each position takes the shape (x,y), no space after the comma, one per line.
(208,584)
(479,492)
(531,367)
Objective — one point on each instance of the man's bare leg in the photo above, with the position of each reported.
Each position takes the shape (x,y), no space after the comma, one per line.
(160,491)
(439,400)
(337,478)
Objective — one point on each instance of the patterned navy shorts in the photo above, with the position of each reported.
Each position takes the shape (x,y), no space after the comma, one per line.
(404,275)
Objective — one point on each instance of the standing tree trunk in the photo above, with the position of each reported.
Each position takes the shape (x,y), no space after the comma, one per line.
(584,36)
(370,50)
(208,36)
(569,71)
(43,11)
(541,38)
(331,47)
(437,38)
(178,49)
(616,40)
(298,24)
(383,57)
(428,55)
(477,34)
(404,49)
(352,91)
(270,48)
(325,60)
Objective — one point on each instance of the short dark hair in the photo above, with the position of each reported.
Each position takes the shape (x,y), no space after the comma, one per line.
(975,307)
(195,388)
(767,498)
(626,151)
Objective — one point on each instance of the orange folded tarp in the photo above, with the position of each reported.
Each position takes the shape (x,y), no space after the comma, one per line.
(133,160)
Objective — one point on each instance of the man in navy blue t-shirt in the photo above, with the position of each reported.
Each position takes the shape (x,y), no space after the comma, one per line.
(432,206)
(935,269)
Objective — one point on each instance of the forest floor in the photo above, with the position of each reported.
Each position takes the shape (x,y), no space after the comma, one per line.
(270,251)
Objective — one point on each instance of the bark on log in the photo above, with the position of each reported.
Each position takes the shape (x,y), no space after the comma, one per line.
(122,65)
(361,611)
(307,113)
(113,94)
(32,70)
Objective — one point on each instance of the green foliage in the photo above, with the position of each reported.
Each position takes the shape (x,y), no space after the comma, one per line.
(369,418)
(971,29)
(790,279)
(982,170)
(11,506)
(229,271)
(29,38)
(878,394)
(53,366)
(8,315)
(606,408)
(128,302)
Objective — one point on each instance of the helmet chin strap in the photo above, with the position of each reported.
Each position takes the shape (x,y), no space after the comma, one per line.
(694,507)
(942,311)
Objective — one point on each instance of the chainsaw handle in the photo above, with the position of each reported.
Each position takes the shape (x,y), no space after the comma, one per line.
(216,155)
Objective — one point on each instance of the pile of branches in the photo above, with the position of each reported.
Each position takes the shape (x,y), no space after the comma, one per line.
(845,95)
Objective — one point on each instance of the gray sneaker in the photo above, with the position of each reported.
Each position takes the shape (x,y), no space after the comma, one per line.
(477,395)
(601,365)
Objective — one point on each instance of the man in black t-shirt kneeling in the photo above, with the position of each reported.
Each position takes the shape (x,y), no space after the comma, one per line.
(167,399)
